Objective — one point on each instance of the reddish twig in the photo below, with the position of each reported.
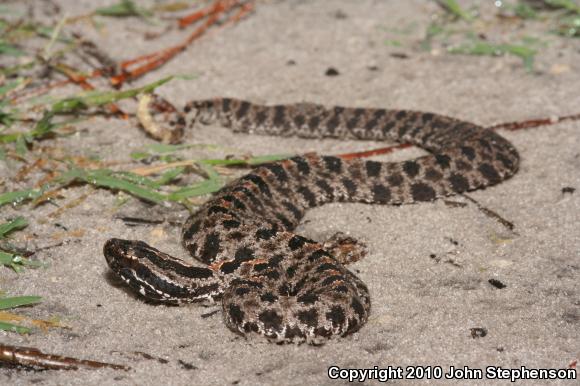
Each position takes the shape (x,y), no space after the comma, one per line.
(506,126)
(370,153)
(81,80)
(198,15)
(33,357)
(182,23)
(127,63)
(490,213)
(156,60)
(244,10)
(534,122)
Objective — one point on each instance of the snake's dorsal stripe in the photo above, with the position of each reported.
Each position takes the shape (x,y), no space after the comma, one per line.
(159,276)
(281,285)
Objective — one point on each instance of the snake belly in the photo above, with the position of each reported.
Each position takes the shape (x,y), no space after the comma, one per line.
(271,281)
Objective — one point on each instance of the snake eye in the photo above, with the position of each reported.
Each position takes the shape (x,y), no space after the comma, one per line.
(118,251)
(140,245)
(115,249)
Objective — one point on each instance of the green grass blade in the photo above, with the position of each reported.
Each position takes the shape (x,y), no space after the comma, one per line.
(6,120)
(268,158)
(393,43)
(53,39)
(454,8)
(101,179)
(44,125)
(527,54)
(124,8)
(524,11)
(100,98)
(48,33)
(17,262)
(11,70)
(125,181)
(169,176)
(18,301)
(10,86)
(476,48)
(139,155)
(211,185)
(11,226)
(21,146)
(10,137)
(126,176)
(212,174)
(569,27)
(200,189)
(19,196)
(9,260)
(166,148)
(250,161)
(165,152)
(10,50)
(163,148)
(568,5)
(4,326)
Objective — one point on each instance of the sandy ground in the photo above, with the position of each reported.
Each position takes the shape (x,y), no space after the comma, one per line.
(429,265)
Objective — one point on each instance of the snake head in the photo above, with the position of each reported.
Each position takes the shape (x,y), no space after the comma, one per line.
(122,252)
(159,276)
(123,258)
(128,259)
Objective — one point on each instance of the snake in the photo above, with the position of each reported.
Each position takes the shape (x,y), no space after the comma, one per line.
(272,282)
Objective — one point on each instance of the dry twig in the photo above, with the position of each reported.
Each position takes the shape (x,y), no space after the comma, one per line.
(33,357)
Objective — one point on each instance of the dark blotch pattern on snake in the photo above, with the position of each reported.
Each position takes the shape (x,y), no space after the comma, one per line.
(278,284)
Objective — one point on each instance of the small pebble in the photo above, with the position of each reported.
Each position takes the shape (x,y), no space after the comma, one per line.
(331,71)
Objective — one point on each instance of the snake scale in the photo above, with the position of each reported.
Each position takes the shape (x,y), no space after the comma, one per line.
(272,281)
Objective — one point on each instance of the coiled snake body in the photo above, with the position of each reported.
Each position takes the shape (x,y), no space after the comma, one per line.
(278,284)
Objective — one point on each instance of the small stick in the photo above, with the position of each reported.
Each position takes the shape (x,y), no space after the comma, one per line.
(82,81)
(155,59)
(26,169)
(220,8)
(197,15)
(148,170)
(71,204)
(379,151)
(512,126)
(490,213)
(534,122)
(127,63)
(158,59)
(89,49)
(245,9)
(33,357)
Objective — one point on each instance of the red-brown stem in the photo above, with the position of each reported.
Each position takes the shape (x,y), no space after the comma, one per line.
(164,56)
(370,153)
(534,122)
(198,15)
(82,81)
